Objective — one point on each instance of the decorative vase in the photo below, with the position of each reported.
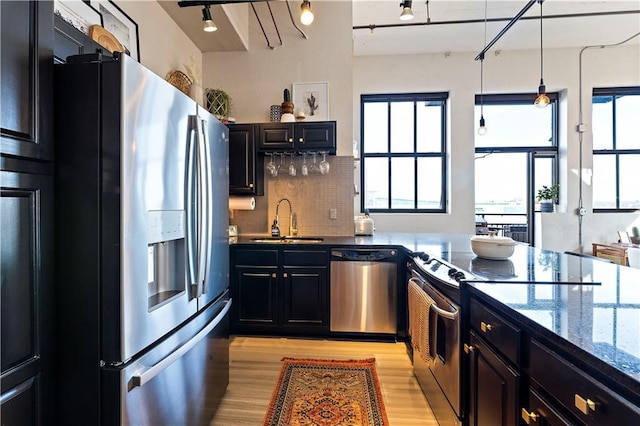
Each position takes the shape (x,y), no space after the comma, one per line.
(547,206)
(287,107)
(275,113)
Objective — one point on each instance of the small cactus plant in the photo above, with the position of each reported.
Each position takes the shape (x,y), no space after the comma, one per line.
(287,95)
(287,105)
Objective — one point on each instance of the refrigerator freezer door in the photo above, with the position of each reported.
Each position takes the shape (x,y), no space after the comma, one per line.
(180,382)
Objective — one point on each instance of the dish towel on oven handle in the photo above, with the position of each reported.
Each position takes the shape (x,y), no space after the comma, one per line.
(419,307)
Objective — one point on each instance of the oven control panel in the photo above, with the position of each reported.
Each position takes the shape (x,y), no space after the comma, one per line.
(443,271)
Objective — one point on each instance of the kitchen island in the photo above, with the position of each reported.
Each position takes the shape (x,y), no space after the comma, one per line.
(573,315)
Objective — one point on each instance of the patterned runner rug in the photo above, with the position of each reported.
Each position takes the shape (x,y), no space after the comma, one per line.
(314,392)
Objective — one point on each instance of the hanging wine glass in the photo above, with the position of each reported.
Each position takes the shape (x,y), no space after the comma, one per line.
(281,165)
(271,166)
(314,166)
(304,169)
(292,167)
(324,164)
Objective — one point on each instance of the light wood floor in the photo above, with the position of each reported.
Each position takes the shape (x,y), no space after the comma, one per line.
(255,366)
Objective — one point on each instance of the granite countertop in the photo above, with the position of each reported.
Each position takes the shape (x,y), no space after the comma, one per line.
(589,308)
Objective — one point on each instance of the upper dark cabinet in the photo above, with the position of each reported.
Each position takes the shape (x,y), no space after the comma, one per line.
(68,41)
(245,169)
(26,73)
(299,136)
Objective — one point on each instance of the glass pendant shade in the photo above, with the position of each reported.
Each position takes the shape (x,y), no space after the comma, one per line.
(542,100)
(306,15)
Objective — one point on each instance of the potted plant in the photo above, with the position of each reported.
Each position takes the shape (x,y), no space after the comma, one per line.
(218,103)
(547,196)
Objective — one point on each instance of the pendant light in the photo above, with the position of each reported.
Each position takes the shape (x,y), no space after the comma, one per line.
(306,15)
(542,100)
(407,13)
(482,129)
(209,26)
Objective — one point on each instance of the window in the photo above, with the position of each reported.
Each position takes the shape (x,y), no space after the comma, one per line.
(403,152)
(517,156)
(616,149)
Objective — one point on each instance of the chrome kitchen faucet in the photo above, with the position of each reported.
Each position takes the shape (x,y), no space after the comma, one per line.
(275,227)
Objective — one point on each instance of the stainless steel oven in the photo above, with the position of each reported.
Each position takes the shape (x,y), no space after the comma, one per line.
(439,372)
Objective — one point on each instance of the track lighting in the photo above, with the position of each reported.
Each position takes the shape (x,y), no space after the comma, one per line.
(209,26)
(306,15)
(482,129)
(407,13)
(542,100)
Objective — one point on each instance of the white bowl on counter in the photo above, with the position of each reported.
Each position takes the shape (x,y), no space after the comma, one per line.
(492,247)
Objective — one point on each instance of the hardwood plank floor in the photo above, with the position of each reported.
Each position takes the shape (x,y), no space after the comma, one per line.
(255,365)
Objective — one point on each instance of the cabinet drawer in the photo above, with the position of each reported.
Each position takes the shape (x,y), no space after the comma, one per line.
(542,413)
(590,401)
(256,257)
(304,257)
(495,329)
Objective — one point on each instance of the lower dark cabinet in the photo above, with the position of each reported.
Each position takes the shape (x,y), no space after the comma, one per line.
(279,291)
(493,387)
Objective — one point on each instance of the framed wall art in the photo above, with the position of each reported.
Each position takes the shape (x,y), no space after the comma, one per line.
(118,23)
(312,99)
(78,13)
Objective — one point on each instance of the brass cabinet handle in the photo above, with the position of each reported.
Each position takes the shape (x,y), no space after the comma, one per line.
(468,348)
(285,275)
(290,140)
(485,327)
(584,405)
(529,417)
(273,275)
(300,140)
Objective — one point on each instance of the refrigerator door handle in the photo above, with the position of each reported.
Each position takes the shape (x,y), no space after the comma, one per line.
(203,205)
(143,377)
(208,230)
(190,189)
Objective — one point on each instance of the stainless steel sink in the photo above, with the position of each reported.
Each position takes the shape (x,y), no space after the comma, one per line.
(287,240)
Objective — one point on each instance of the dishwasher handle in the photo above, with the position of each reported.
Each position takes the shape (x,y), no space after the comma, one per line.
(363,255)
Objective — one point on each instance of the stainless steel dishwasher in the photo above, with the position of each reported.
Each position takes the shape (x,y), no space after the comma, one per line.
(364,290)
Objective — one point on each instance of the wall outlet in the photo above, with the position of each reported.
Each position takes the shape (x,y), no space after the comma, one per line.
(333,214)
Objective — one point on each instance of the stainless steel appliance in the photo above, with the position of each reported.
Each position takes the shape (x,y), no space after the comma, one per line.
(439,374)
(363,290)
(141,231)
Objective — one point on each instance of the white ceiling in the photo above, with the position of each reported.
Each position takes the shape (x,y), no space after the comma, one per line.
(441,35)
(449,29)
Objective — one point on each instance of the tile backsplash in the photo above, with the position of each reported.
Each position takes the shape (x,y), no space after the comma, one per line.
(312,198)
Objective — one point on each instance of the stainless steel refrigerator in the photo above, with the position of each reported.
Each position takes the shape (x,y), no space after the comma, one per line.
(142,263)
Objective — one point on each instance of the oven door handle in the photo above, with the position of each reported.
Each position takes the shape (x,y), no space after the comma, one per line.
(445,314)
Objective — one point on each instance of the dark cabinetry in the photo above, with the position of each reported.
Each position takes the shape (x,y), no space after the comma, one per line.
(299,136)
(280,290)
(245,168)
(26,213)
(568,388)
(494,355)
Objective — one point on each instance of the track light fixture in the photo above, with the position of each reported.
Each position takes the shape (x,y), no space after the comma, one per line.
(407,13)
(542,100)
(482,129)
(306,15)
(209,26)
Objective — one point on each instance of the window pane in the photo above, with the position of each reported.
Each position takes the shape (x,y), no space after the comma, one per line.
(376,176)
(402,127)
(515,125)
(627,114)
(629,188)
(501,183)
(402,183)
(604,181)
(429,126)
(375,127)
(602,117)
(430,183)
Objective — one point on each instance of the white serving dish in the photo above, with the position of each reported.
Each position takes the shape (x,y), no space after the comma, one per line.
(492,247)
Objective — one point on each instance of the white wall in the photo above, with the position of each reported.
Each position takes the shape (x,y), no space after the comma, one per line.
(504,72)
(163,45)
(256,79)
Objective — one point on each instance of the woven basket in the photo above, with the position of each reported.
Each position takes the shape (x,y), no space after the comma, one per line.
(179,80)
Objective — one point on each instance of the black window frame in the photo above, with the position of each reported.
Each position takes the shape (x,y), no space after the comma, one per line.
(406,97)
(615,92)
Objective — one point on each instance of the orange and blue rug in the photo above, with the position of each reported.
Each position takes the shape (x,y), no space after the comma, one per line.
(315,392)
